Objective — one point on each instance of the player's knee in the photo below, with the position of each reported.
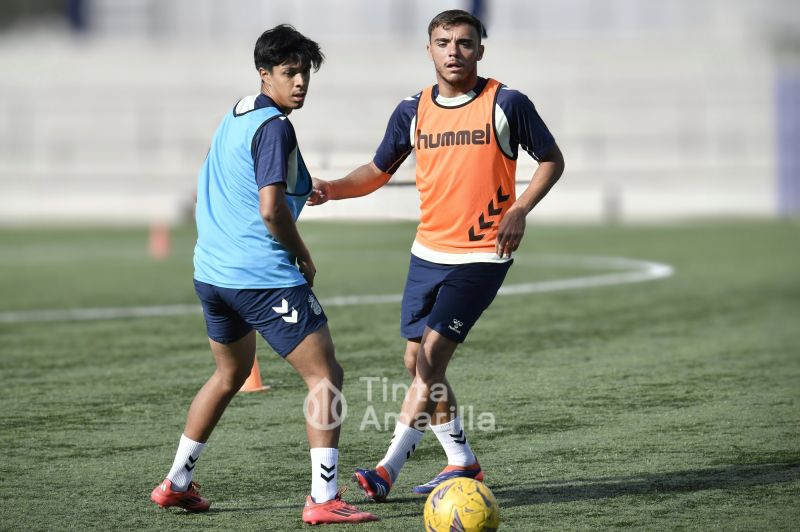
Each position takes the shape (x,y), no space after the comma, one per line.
(410,358)
(336,374)
(329,369)
(410,362)
(230,381)
(431,362)
(335,371)
(429,372)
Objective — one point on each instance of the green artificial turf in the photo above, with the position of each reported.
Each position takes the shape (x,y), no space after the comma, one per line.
(670,404)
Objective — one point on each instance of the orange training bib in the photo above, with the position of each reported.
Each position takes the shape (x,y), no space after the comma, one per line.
(465,182)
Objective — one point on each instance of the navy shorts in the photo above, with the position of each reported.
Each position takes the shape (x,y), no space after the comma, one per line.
(283,316)
(448,298)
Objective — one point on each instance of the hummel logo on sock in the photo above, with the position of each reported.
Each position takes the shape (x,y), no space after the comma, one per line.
(413,448)
(191,461)
(459,438)
(327,469)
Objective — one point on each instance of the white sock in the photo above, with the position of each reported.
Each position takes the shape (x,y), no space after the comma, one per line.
(454,441)
(404,442)
(324,473)
(183,466)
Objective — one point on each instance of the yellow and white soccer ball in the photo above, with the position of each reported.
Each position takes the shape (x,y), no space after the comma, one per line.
(461,504)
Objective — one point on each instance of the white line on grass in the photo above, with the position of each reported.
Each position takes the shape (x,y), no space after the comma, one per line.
(628,271)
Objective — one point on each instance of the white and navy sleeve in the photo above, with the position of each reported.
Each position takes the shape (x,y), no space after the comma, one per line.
(397,142)
(518,124)
(272,146)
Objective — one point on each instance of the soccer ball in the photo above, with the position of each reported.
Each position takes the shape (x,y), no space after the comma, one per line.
(461,504)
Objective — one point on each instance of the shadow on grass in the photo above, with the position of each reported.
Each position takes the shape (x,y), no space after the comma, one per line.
(395,504)
(728,477)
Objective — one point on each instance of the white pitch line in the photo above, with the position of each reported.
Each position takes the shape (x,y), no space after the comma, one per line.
(633,271)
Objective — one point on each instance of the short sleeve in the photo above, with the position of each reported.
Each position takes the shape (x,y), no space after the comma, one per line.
(272,146)
(526,127)
(396,143)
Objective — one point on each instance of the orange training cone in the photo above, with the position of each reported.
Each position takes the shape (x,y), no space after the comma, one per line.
(159,245)
(253,382)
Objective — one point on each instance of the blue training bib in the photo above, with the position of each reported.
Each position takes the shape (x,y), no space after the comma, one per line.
(234,249)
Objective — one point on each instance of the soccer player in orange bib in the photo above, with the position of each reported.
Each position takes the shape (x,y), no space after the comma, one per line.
(465,132)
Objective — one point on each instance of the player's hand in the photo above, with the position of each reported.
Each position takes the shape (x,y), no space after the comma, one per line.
(307,268)
(510,232)
(320,192)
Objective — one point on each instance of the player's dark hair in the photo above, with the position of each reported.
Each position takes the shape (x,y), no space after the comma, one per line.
(453,17)
(284,44)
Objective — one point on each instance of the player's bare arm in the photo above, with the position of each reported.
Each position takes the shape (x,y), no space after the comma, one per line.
(278,219)
(363,180)
(512,227)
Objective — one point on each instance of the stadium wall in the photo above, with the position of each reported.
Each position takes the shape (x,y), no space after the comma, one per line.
(658,116)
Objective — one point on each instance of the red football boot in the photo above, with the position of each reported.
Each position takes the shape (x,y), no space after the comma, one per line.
(190,500)
(334,511)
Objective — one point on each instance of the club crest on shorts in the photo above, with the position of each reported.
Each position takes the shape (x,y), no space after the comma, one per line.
(315,306)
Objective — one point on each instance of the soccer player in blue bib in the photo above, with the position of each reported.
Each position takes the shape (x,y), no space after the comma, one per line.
(252,272)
